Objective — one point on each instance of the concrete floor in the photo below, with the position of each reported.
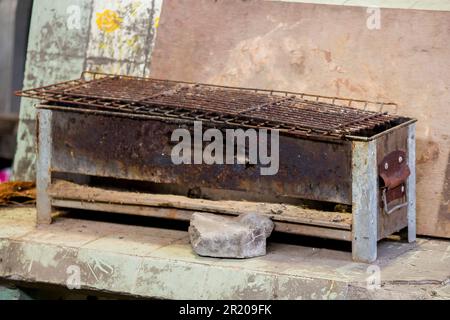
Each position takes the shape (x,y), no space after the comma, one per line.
(159,263)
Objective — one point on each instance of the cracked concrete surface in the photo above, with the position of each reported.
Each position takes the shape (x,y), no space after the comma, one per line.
(159,263)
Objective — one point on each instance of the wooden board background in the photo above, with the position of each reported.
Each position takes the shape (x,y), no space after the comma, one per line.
(327,50)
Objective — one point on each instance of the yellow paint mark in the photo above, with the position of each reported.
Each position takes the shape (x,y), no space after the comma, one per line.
(156,22)
(132,42)
(108,21)
(134,7)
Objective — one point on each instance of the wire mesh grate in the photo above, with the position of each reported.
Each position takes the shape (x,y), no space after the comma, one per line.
(294,112)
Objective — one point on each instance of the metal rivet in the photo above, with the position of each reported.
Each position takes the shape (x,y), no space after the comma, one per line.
(400,159)
(386,166)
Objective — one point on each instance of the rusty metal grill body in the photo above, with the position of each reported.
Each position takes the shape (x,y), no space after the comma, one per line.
(119,127)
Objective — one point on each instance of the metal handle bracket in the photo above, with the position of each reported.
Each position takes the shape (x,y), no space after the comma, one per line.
(385,204)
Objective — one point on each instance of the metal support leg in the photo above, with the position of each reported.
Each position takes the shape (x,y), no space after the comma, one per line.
(411,183)
(43,175)
(364,203)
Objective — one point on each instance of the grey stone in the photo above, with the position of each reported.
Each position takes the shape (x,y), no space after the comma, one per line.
(223,237)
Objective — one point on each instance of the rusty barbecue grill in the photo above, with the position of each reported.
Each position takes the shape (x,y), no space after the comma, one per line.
(346,171)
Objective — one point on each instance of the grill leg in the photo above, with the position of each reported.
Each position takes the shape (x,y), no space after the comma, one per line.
(43,175)
(411,183)
(364,202)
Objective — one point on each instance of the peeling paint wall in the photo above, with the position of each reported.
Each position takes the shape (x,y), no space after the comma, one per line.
(56,52)
(122,36)
(70,36)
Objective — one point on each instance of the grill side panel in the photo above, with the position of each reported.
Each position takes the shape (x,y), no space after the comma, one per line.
(397,220)
(125,148)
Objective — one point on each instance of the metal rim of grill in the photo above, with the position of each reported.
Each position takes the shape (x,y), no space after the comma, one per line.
(295,113)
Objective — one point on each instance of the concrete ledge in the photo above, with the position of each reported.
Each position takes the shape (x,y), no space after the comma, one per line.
(159,263)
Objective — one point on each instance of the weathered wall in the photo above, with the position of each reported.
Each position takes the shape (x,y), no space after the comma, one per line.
(70,36)
(55,53)
(325,50)
(7,19)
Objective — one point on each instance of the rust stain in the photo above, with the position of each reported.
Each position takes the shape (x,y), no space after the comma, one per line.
(428,151)
(327,55)
(444,211)
(346,84)
(299,64)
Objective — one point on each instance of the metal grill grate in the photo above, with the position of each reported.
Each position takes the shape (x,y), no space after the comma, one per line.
(293,112)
